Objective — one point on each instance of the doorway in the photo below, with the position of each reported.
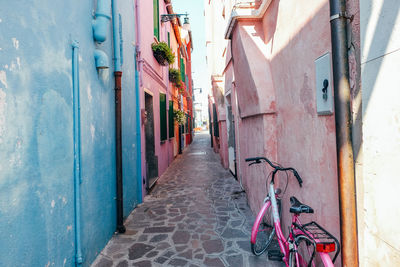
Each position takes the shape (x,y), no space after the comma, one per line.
(151,158)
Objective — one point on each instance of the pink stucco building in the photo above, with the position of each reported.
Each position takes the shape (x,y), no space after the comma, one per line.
(268,61)
(162,137)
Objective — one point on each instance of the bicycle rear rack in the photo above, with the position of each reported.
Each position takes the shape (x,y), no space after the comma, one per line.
(315,232)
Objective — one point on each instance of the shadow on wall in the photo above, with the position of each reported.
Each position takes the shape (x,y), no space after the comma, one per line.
(380,42)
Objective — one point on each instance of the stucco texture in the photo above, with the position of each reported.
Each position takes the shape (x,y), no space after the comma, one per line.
(36,134)
(275,79)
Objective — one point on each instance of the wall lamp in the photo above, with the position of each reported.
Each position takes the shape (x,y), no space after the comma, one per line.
(169,17)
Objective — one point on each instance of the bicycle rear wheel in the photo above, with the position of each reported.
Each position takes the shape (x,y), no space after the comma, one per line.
(263,230)
(305,252)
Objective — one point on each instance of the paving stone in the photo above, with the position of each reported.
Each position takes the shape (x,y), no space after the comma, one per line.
(231,233)
(142,264)
(199,256)
(151,254)
(177,262)
(118,256)
(104,262)
(180,248)
(187,254)
(181,237)
(196,215)
(236,223)
(163,245)
(143,238)
(213,246)
(215,262)
(169,254)
(123,263)
(158,238)
(138,250)
(156,230)
(161,260)
(244,245)
(235,260)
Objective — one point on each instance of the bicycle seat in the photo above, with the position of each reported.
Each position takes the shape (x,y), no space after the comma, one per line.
(298,207)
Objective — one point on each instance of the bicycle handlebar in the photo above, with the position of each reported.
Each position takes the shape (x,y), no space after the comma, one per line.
(277,168)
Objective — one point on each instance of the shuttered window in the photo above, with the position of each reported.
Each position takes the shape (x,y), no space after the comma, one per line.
(171,119)
(156,19)
(169,39)
(215,121)
(163,117)
(183,75)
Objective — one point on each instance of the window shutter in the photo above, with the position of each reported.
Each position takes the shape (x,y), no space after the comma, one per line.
(163,117)
(215,121)
(183,76)
(171,119)
(156,19)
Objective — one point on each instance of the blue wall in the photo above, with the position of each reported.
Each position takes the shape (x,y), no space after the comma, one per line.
(36,133)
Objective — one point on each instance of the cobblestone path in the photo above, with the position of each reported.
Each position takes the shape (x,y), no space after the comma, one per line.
(197,215)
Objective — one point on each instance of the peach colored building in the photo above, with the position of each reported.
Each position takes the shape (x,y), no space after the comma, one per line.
(268,61)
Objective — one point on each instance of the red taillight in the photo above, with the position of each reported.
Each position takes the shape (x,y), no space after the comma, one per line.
(326,247)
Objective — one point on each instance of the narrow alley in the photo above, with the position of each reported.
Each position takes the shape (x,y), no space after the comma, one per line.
(196,215)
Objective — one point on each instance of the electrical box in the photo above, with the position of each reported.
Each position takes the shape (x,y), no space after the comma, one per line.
(324,92)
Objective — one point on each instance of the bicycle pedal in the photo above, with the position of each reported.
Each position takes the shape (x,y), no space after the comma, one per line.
(275,255)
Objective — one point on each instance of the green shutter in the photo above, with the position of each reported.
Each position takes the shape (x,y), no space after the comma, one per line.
(163,117)
(169,40)
(171,119)
(215,121)
(183,76)
(156,19)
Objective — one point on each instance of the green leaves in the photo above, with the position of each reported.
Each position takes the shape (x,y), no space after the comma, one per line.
(179,117)
(163,53)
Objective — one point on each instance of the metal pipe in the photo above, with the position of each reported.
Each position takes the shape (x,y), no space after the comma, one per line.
(77,152)
(347,198)
(139,81)
(118,123)
(100,24)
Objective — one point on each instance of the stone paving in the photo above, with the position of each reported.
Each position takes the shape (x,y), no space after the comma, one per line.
(196,215)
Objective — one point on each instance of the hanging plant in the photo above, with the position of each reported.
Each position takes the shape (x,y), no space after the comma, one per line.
(175,77)
(163,53)
(179,117)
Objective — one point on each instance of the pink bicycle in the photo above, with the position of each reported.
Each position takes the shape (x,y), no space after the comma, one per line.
(305,241)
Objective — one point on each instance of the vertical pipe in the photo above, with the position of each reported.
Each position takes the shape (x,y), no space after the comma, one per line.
(138,75)
(347,198)
(77,152)
(118,123)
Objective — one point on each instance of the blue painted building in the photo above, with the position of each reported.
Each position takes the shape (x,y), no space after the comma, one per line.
(57,130)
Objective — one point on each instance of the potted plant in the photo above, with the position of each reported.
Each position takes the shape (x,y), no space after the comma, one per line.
(179,117)
(175,77)
(163,53)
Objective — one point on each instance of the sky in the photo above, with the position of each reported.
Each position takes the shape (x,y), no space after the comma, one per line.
(195,9)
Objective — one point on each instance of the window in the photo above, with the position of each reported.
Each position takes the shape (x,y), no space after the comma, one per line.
(163,117)
(169,40)
(215,121)
(183,76)
(171,119)
(156,19)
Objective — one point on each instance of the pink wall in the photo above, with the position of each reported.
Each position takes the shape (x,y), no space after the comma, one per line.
(154,81)
(275,80)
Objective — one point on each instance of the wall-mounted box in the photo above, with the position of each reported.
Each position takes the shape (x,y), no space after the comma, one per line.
(324,92)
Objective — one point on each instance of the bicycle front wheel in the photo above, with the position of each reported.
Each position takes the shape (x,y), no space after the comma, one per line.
(303,253)
(263,230)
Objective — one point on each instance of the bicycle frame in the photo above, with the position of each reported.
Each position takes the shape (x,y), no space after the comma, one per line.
(286,244)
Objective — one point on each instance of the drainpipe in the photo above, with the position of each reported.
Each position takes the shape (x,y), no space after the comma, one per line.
(118,124)
(77,152)
(100,24)
(137,95)
(347,198)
